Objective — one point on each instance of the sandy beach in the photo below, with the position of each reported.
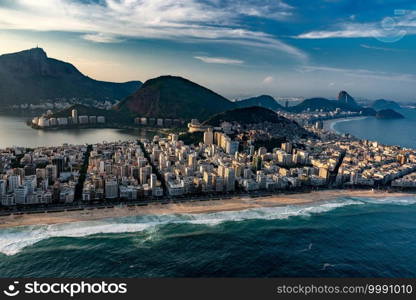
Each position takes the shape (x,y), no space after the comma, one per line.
(330,124)
(234,204)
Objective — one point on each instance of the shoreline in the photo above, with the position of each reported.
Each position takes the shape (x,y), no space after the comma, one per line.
(103,126)
(330,124)
(199,207)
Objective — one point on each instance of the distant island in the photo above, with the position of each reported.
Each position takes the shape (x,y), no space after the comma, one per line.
(388,114)
(381,104)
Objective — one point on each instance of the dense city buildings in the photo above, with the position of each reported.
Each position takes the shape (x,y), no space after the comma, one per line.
(229,158)
(119,170)
(158,122)
(222,165)
(48,121)
(63,104)
(40,176)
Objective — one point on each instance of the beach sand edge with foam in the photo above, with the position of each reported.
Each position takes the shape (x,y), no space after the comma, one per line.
(233,204)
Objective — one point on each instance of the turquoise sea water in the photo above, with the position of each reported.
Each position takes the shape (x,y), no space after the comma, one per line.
(390,132)
(345,237)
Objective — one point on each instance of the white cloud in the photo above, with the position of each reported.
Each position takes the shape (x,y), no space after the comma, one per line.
(101,38)
(268,80)
(108,21)
(388,29)
(350,30)
(361,73)
(219,60)
(365,46)
(266,42)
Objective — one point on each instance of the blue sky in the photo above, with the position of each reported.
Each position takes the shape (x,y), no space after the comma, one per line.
(299,48)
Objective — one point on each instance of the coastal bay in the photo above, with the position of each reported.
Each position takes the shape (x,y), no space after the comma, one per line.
(390,132)
(332,123)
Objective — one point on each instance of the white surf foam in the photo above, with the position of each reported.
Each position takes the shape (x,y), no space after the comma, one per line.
(326,266)
(407,200)
(333,123)
(13,240)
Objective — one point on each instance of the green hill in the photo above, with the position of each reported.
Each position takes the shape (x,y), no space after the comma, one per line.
(347,99)
(257,115)
(321,103)
(246,115)
(30,76)
(262,101)
(388,114)
(326,105)
(174,97)
(368,111)
(385,104)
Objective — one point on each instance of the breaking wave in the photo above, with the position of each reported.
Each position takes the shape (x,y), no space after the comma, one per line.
(391,200)
(13,240)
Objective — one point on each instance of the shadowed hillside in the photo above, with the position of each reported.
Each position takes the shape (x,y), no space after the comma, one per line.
(30,76)
(174,97)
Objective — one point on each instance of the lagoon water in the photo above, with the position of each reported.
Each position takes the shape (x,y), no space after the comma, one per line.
(15,132)
(345,237)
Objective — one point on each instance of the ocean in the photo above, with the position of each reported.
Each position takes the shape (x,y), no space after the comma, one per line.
(344,237)
(390,132)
